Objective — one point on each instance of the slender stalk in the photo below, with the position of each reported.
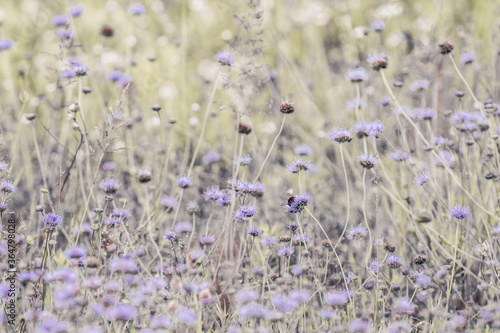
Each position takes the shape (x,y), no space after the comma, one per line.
(271,149)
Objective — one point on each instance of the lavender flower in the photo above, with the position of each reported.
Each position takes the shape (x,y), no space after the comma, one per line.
(286,252)
(75,253)
(378,61)
(467,58)
(284,304)
(424,114)
(224,59)
(419,85)
(400,156)
(403,305)
(76,11)
(187,316)
(337,298)
(210,157)
(300,165)
(357,233)
(360,326)
(393,261)
(385,101)
(367,161)
(137,10)
(377,26)
(110,186)
(356,104)
(301,239)
(122,312)
(169,203)
(268,241)
(459,212)
(298,204)
(7,187)
(357,75)
(422,179)
(184,182)
(245,211)
(253,310)
(303,150)
(5,44)
(246,295)
(60,20)
(51,221)
(244,160)
(340,135)
(254,232)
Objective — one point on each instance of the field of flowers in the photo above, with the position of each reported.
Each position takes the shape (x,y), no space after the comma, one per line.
(249,166)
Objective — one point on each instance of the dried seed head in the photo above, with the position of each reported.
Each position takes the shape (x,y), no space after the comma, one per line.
(286,107)
(285,239)
(107,31)
(144,176)
(420,259)
(244,128)
(389,247)
(445,48)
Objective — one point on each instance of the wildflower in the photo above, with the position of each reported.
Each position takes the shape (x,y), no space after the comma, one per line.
(360,326)
(183,227)
(459,93)
(75,253)
(76,11)
(385,101)
(193,208)
(244,128)
(3,166)
(300,165)
(337,298)
(5,44)
(467,58)
(357,75)
(268,241)
(389,247)
(339,135)
(80,70)
(298,204)
(7,187)
(419,85)
(137,10)
(394,261)
(495,231)
(285,239)
(65,34)
(297,270)
(253,310)
(286,251)
(51,221)
(286,106)
(224,58)
(424,114)
(356,233)
(483,250)
(356,104)
(327,314)
(109,186)
(3,207)
(184,182)
(256,190)
(440,141)
(254,232)
(161,322)
(303,150)
(169,235)
(301,240)
(246,296)
(367,161)
(284,304)
(120,213)
(122,312)
(300,296)
(378,61)
(400,156)
(210,157)
(169,203)
(60,20)
(422,179)
(244,160)
(459,212)
(293,226)
(424,281)
(445,48)
(399,327)
(403,305)
(245,211)
(28,277)
(374,266)
(377,26)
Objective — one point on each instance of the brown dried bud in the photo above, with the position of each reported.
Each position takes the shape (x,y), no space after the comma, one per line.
(445,48)
(107,31)
(286,107)
(93,262)
(285,239)
(244,128)
(420,260)
(144,176)
(389,247)
(329,243)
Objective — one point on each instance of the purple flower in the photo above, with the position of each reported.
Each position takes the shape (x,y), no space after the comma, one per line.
(377,26)
(424,114)
(393,261)
(337,298)
(268,241)
(374,266)
(285,251)
(424,281)
(210,157)
(208,240)
(245,211)
(60,20)
(301,240)
(403,305)
(3,166)
(51,325)
(187,316)
(246,295)
(467,58)
(62,274)
(440,141)
(5,44)
(169,203)
(340,135)
(183,227)
(75,253)
(161,322)
(120,213)
(399,327)
(385,101)
(124,265)
(303,150)
(224,58)
(213,193)
(360,326)
(80,70)
(124,80)
(69,74)
(419,85)
(244,160)
(253,310)
(28,277)
(356,232)
(327,314)
(422,179)
(400,156)
(122,312)
(357,75)
(300,165)
(298,204)
(356,104)
(367,161)
(254,232)
(7,187)
(378,61)
(115,76)
(137,10)
(300,296)
(109,186)
(256,190)
(184,182)
(284,304)
(51,221)
(76,11)
(459,212)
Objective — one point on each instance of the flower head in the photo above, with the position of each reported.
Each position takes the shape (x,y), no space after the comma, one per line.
(378,61)
(245,211)
(286,106)
(357,75)
(357,232)
(467,58)
(137,10)
(300,165)
(109,186)
(5,44)
(393,261)
(377,26)
(303,150)
(184,182)
(76,11)
(7,187)
(459,212)
(254,232)
(419,85)
(224,58)
(51,221)
(367,161)
(298,204)
(422,179)
(340,135)
(169,203)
